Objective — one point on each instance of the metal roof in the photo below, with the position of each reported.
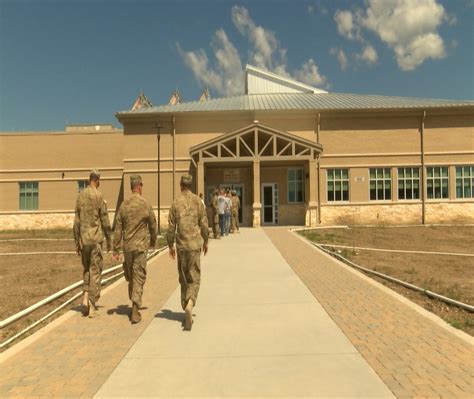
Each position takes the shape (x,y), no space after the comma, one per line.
(301,101)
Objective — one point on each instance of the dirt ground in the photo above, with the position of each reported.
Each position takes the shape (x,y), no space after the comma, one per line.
(26,279)
(451,276)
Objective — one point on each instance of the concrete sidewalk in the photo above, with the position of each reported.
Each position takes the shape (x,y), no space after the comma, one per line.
(258,331)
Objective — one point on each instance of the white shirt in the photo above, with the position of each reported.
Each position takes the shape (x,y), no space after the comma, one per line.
(221,203)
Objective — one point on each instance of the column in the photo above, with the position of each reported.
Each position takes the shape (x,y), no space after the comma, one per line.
(200,178)
(257,205)
(312,208)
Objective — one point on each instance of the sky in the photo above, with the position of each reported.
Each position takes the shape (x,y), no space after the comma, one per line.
(65,62)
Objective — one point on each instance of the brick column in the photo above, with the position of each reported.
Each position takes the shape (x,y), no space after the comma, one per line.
(257,205)
(200,179)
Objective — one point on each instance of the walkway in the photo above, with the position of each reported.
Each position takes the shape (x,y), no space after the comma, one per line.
(275,318)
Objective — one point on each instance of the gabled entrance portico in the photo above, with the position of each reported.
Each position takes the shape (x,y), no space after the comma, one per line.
(254,147)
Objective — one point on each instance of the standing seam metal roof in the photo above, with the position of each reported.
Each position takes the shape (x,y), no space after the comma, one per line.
(301,101)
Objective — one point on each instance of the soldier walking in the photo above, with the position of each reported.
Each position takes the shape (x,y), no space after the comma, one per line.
(187,223)
(91,224)
(136,224)
(235,212)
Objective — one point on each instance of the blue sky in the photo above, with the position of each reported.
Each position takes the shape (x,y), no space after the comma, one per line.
(78,62)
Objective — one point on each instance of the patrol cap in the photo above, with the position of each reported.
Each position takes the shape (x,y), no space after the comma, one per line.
(186,180)
(135,180)
(95,174)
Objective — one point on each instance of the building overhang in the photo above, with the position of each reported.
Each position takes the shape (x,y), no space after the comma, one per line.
(255,142)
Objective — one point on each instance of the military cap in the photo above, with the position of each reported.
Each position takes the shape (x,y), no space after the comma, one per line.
(135,180)
(94,174)
(186,180)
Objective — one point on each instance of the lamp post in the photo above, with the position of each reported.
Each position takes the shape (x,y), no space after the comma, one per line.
(158,127)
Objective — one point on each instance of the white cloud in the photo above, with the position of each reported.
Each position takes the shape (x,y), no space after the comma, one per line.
(226,76)
(408,27)
(309,74)
(346,25)
(368,55)
(341,57)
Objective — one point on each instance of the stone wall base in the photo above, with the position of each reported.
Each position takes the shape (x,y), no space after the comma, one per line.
(62,220)
(439,213)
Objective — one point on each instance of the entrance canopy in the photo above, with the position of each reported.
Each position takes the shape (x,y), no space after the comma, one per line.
(255,141)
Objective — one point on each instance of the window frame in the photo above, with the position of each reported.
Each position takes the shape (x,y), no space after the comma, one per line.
(79,189)
(295,181)
(26,191)
(383,180)
(411,179)
(433,179)
(341,180)
(463,178)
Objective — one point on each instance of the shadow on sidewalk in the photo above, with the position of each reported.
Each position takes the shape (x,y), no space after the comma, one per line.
(170,315)
(122,310)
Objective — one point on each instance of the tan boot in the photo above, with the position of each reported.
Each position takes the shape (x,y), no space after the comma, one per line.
(85,303)
(188,315)
(93,310)
(136,316)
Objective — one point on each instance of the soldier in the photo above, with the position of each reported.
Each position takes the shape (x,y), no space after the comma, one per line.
(91,224)
(215,215)
(187,222)
(235,212)
(135,221)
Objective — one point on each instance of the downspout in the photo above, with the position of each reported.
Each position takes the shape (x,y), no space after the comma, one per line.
(318,127)
(174,157)
(423,195)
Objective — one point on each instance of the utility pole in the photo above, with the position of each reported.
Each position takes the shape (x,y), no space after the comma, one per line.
(158,136)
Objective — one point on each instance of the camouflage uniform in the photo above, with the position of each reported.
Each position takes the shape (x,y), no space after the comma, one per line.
(91,224)
(136,223)
(187,223)
(215,215)
(235,212)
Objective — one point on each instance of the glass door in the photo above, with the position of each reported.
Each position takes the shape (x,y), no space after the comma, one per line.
(269,203)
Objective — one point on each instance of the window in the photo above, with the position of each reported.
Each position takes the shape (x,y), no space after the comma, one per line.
(408,183)
(81,185)
(437,182)
(464,181)
(380,184)
(338,184)
(28,195)
(295,185)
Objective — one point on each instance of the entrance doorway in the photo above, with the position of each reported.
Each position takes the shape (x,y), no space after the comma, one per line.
(239,189)
(269,203)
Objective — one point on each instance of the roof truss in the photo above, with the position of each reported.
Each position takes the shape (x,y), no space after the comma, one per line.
(255,141)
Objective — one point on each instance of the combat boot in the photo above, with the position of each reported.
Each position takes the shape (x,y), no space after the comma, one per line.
(93,311)
(136,316)
(188,315)
(85,303)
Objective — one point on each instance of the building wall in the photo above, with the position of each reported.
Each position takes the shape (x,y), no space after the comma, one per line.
(356,141)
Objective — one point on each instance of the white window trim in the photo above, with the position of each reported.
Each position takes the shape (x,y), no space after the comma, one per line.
(288,186)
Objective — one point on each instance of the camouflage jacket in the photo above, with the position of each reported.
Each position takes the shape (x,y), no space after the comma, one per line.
(187,223)
(235,203)
(91,221)
(214,206)
(136,224)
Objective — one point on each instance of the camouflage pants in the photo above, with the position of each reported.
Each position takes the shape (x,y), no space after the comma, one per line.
(134,267)
(92,262)
(189,270)
(215,225)
(235,221)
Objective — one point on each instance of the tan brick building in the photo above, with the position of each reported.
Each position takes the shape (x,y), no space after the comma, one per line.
(297,156)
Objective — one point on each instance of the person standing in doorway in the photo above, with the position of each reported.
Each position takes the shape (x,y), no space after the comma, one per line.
(221,204)
(235,212)
(91,225)
(215,215)
(187,225)
(228,211)
(136,225)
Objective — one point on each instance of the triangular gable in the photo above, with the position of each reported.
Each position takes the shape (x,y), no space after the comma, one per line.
(255,141)
(259,81)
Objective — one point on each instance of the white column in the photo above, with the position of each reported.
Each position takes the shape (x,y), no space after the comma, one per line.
(257,205)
